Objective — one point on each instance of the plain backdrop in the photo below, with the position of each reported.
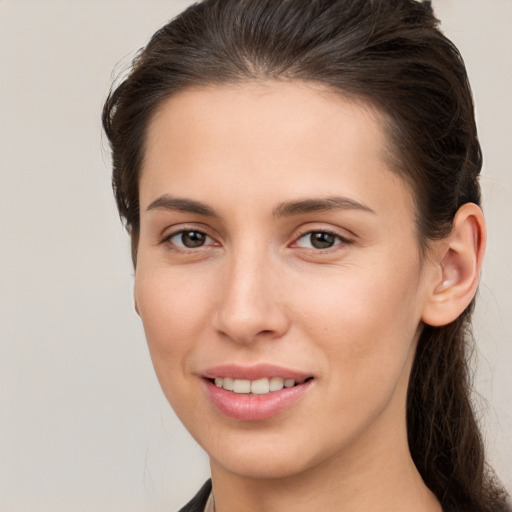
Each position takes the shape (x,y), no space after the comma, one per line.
(83,423)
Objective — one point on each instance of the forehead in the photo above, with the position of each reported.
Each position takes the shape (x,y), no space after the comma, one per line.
(265,140)
(253,114)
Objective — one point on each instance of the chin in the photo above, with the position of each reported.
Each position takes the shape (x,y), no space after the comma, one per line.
(265,456)
(263,465)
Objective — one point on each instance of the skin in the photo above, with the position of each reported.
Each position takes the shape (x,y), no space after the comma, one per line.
(257,291)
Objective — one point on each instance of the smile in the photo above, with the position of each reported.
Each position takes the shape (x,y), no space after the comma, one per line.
(258,386)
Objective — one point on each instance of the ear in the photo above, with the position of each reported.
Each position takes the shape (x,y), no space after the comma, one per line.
(457,261)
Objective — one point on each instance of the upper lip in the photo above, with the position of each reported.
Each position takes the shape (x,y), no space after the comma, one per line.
(254,372)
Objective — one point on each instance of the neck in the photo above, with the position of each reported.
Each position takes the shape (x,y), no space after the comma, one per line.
(378,487)
(376,473)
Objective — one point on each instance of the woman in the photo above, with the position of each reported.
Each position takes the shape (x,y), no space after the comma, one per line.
(300,183)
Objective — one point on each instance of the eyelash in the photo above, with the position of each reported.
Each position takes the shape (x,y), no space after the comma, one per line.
(181,248)
(341,240)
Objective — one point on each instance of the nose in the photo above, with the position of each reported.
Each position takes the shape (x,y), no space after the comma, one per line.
(249,301)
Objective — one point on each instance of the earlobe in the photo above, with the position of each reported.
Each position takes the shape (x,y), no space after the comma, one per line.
(458,262)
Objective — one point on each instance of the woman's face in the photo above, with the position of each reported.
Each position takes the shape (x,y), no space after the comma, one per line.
(276,245)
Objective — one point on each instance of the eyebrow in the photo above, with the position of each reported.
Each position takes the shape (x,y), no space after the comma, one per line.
(302,206)
(285,209)
(167,202)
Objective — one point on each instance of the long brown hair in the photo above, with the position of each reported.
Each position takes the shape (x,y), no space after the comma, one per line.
(392,55)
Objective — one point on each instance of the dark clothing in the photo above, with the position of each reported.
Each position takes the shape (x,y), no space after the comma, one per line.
(198,502)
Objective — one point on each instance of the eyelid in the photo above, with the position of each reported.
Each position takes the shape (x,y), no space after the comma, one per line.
(169,233)
(344,234)
(304,231)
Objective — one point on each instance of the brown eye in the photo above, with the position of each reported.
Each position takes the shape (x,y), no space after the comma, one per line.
(190,239)
(322,240)
(319,240)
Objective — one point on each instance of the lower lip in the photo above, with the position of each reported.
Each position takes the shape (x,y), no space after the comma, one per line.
(255,407)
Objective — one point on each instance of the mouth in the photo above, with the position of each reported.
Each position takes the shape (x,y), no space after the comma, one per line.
(261,386)
(256,393)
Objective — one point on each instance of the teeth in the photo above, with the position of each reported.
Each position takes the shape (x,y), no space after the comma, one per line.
(260,387)
(228,384)
(276,383)
(256,387)
(242,386)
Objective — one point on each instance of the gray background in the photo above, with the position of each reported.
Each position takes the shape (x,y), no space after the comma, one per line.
(83,424)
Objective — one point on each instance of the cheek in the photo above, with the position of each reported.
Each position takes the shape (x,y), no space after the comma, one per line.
(366,323)
(174,311)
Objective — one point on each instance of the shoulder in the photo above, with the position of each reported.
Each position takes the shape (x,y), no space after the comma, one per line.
(198,502)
